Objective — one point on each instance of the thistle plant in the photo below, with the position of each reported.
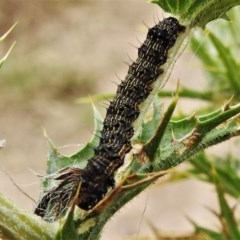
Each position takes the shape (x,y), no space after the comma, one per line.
(160,141)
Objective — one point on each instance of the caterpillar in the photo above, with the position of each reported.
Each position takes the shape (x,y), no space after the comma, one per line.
(115,138)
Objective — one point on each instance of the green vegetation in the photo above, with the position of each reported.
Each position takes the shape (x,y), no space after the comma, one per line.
(191,135)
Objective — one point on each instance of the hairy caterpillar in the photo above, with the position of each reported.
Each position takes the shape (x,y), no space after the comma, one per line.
(115,141)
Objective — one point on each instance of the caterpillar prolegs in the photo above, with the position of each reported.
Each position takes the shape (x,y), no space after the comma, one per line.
(115,140)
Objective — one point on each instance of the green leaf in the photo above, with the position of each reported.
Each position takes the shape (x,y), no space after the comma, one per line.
(68,229)
(219,53)
(195,12)
(230,227)
(231,66)
(151,121)
(86,152)
(192,136)
(58,161)
(152,145)
(224,168)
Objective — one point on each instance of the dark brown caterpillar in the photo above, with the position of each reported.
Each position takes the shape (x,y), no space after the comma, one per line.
(98,176)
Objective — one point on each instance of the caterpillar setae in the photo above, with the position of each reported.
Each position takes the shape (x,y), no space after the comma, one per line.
(115,140)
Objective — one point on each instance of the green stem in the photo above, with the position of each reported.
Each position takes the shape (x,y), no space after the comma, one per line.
(206,126)
(189,93)
(207,142)
(17,224)
(230,64)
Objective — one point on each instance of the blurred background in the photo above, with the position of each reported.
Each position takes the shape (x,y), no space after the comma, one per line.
(70,49)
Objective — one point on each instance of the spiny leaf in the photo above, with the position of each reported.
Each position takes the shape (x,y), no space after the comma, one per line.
(219,54)
(228,176)
(57,161)
(230,227)
(152,145)
(151,121)
(194,136)
(86,152)
(211,123)
(195,12)
(68,229)
(231,66)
